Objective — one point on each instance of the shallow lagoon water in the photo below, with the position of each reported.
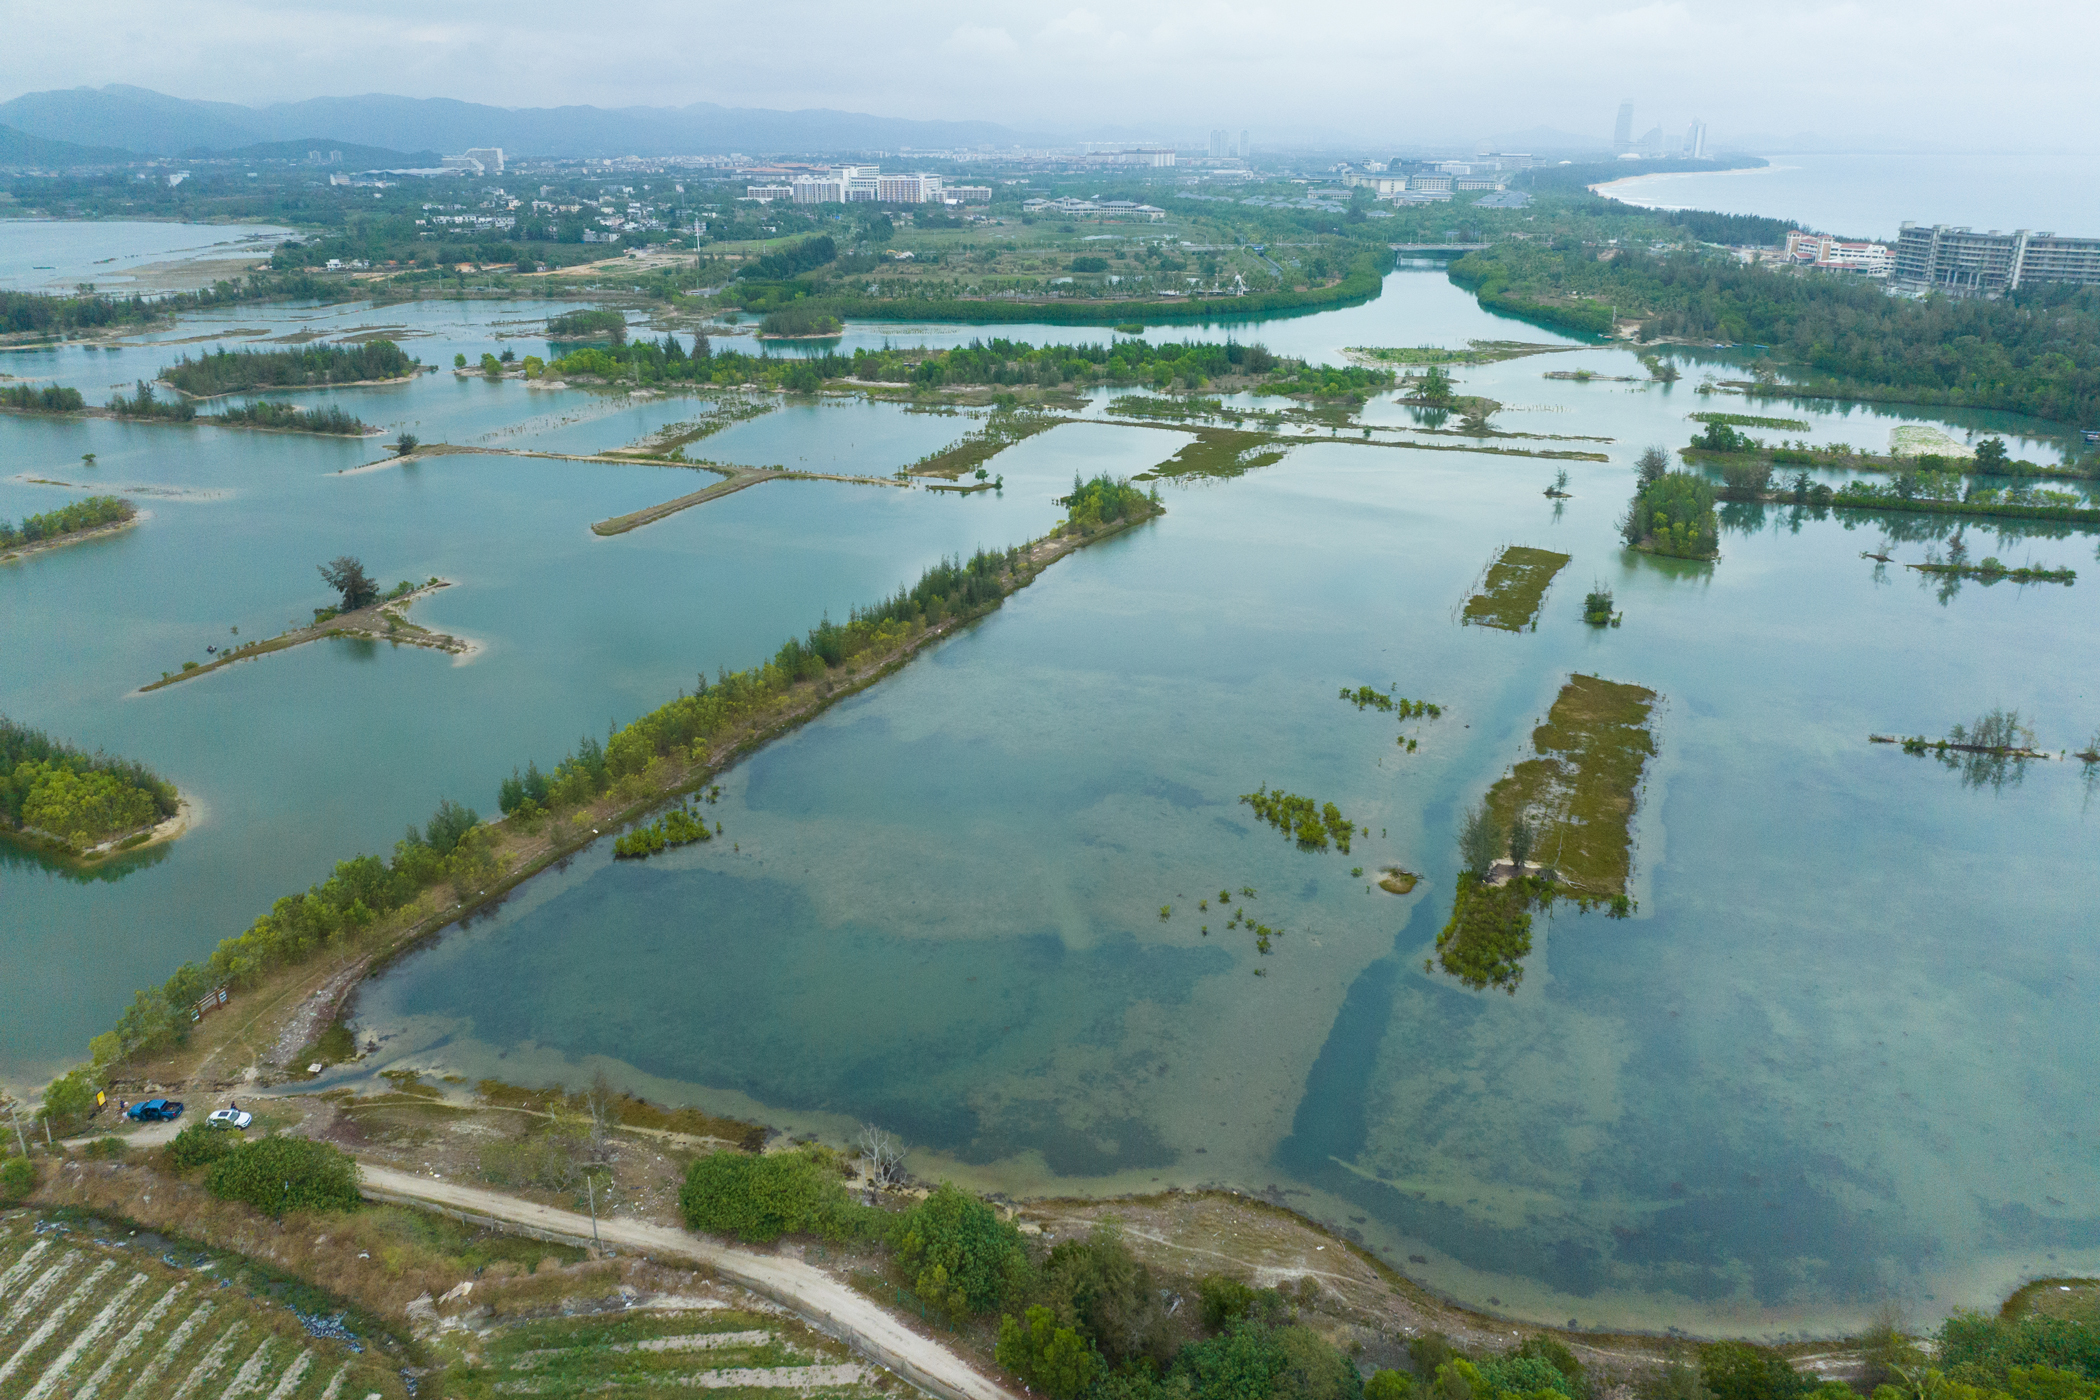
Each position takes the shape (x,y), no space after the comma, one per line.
(1838,1056)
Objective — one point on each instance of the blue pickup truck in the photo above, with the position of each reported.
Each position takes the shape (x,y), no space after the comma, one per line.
(154,1111)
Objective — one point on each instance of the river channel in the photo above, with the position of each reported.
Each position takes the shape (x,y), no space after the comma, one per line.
(1842,1053)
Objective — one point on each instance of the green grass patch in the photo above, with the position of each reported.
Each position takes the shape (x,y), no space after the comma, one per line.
(1578,791)
(1478,352)
(1514,589)
(1220,452)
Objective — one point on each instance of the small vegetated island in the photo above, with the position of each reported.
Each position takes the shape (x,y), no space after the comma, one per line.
(221,372)
(594,323)
(1513,589)
(86,519)
(1672,512)
(1557,826)
(78,806)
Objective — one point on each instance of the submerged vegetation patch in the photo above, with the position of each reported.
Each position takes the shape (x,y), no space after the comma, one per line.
(1489,934)
(681,826)
(1990,753)
(1312,823)
(1514,588)
(672,439)
(1578,792)
(1001,430)
(1750,420)
(1477,352)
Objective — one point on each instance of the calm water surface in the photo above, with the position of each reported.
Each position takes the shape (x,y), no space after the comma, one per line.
(58,255)
(1841,1054)
(1868,196)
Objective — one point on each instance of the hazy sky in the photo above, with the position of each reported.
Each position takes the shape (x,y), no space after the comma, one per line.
(1941,72)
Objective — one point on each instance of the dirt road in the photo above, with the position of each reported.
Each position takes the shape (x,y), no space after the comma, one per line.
(821,1300)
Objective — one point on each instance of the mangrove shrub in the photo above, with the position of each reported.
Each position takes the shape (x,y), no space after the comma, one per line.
(279,1174)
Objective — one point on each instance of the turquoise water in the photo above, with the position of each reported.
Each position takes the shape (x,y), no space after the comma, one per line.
(1839,1056)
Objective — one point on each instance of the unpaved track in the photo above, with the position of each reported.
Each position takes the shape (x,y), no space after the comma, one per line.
(818,1298)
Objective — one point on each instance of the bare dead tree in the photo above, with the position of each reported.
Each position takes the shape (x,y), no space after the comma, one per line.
(602,1103)
(883,1154)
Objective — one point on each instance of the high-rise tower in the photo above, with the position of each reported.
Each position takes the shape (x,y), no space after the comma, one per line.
(1622,134)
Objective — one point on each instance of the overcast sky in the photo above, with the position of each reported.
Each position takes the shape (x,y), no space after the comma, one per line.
(1948,73)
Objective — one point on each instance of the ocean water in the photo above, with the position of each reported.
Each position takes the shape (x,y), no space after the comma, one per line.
(1840,1055)
(1869,196)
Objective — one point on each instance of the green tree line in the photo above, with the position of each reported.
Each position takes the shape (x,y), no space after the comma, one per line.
(269,413)
(230,371)
(996,363)
(79,515)
(51,399)
(145,404)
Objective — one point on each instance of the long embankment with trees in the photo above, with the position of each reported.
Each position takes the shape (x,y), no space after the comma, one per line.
(991,364)
(78,520)
(371,904)
(56,799)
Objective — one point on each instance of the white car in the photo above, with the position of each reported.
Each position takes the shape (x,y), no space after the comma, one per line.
(231,1118)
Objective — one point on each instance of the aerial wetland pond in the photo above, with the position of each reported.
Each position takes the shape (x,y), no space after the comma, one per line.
(1812,1031)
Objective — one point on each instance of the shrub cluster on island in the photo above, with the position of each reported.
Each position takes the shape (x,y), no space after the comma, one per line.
(1672,512)
(55,798)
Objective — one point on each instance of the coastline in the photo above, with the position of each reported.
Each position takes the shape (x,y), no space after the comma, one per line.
(1616,191)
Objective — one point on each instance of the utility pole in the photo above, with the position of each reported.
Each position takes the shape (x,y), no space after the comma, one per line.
(11,1113)
(592,1183)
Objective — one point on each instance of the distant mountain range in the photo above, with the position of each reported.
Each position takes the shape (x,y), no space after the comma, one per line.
(20,148)
(151,123)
